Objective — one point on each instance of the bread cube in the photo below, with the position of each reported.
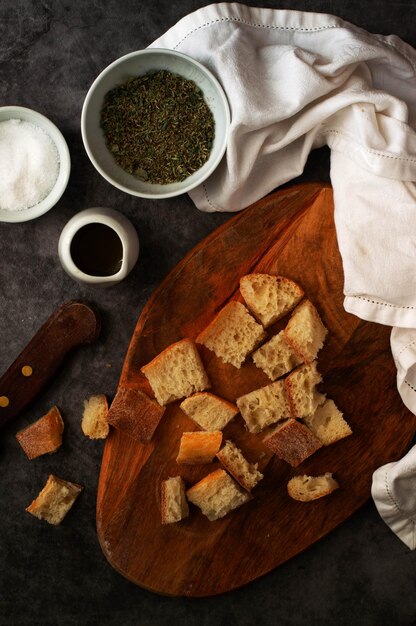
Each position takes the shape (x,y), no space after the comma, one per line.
(276,357)
(43,436)
(269,297)
(176,373)
(135,414)
(245,473)
(233,334)
(174,506)
(265,406)
(209,411)
(197,448)
(55,500)
(305,331)
(308,488)
(94,419)
(301,390)
(217,494)
(327,423)
(292,442)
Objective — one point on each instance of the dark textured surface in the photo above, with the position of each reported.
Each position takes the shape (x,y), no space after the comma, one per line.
(50,52)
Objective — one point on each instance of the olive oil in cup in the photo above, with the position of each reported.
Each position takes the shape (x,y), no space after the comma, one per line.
(98,247)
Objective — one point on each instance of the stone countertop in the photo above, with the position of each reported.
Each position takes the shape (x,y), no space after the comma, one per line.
(50,52)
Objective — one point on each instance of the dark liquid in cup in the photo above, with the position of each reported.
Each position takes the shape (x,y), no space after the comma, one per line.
(96,249)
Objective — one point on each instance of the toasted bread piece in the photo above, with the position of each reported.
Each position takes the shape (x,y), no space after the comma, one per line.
(174,506)
(292,442)
(305,331)
(264,406)
(234,462)
(55,500)
(232,334)
(94,419)
(269,297)
(301,390)
(276,357)
(327,423)
(209,411)
(176,373)
(307,488)
(43,436)
(217,494)
(199,447)
(134,413)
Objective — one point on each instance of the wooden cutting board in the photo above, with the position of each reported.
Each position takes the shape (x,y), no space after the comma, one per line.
(291,233)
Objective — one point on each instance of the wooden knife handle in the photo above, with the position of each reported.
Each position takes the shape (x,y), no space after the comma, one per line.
(72,325)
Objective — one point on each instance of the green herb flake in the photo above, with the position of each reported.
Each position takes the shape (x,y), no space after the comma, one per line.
(158,127)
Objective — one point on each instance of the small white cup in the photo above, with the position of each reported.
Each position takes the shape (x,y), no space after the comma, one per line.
(121,226)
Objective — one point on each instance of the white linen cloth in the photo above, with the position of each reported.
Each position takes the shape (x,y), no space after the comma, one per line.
(296,81)
(394,494)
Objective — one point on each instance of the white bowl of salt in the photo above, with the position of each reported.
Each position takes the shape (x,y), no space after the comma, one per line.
(34,164)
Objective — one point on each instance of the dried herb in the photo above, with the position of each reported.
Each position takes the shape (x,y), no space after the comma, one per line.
(158,127)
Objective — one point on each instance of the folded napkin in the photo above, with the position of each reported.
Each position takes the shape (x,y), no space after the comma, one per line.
(297,81)
(394,494)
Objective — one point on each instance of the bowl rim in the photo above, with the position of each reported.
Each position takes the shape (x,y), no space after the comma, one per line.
(161,52)
(24,215)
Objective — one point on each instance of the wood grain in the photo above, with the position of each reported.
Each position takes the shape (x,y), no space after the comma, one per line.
(292,233)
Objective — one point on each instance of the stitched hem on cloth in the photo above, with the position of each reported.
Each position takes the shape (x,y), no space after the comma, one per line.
(396,505)
(407,393)
(337,22)
(390,511)
(253,17)
(399,510)
(239,20)
(376,310)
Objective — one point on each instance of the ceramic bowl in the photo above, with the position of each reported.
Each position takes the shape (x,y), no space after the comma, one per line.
(136,64)
(28,115)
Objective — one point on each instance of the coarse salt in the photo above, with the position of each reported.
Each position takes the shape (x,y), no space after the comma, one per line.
(29,165)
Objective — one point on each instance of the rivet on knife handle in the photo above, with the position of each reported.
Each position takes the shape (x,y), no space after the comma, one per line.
(73,324)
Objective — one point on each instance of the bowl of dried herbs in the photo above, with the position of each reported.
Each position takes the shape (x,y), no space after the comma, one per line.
(155,122)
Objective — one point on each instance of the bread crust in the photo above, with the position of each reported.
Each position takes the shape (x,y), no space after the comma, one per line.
(245,473)
(134,413)
(292,442)
(43,436)
(221,410)
(199,447)
(161,357)
(205,482)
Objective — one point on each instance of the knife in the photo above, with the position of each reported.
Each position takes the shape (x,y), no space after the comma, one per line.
(74,324)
